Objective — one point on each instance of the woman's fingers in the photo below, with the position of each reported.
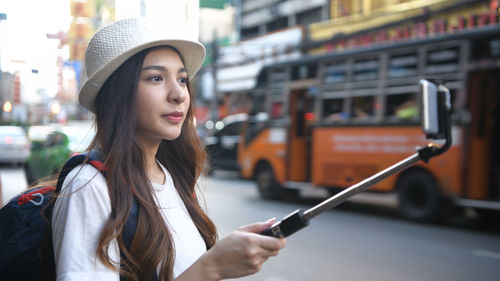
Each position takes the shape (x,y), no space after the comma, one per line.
(258,227)
(271,243)
(265,242)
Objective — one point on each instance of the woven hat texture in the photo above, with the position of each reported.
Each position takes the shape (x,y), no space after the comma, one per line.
(112,45)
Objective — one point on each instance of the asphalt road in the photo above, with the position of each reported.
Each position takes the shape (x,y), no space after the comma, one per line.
(357,241)
(13,181)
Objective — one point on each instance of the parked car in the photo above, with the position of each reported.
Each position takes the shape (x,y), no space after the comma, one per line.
(52,146)
(14,145)
(222,145)
(47,156)
(40,132)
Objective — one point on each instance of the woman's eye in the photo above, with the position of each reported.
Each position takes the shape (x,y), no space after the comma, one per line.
(156,78)
(183,80)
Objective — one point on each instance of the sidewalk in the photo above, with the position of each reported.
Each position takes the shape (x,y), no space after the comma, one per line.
(12,182)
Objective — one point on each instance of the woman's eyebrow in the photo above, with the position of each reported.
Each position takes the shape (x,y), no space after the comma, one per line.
(162,68)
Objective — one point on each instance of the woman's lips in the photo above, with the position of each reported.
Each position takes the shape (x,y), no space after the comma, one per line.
(174,116)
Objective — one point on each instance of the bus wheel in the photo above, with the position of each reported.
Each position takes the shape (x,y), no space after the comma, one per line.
(419,197)
(268,187)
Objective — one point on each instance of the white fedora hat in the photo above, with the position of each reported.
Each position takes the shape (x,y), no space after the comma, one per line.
(112,45)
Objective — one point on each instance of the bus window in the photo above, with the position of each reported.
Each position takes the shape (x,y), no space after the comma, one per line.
(401,107)
(442,61)
(258,104)
(402,66)
(333,111)
(363,108)
(335,73)
(487,48)
(366,70)
(304,71)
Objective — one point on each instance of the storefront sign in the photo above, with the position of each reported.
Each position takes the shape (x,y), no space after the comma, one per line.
(434,26)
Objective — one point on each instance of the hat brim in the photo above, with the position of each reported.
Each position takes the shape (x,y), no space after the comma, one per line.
(192,53)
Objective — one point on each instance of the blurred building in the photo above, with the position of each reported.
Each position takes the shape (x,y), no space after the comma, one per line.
(267,31)
(259,17)
(367,22)
(263,32)
(165,13)
(239,64)
(71,74)
(217,29)
(217,23)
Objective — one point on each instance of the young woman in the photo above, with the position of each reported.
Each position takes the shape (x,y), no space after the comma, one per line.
(138,88)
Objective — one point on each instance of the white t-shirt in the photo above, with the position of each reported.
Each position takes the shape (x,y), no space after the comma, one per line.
(84,207)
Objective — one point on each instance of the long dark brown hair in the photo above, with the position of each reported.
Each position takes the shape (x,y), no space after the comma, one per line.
(127,178)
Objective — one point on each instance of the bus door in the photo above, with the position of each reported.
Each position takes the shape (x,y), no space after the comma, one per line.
(483,167)
(298,150)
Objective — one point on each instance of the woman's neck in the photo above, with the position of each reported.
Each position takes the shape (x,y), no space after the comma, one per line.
(153,169)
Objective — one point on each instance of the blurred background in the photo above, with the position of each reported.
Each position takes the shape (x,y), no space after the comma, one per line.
(296,101)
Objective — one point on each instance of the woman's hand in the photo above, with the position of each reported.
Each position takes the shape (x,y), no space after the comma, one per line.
(241,253)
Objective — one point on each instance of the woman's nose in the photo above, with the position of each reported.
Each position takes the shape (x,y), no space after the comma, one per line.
(176,93)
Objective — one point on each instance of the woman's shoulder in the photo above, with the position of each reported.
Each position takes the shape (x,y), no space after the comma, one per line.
(84,175)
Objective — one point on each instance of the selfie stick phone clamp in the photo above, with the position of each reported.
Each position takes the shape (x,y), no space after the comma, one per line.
(435,109)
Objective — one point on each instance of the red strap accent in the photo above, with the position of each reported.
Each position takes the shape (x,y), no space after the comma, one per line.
(25,198)
(98,165)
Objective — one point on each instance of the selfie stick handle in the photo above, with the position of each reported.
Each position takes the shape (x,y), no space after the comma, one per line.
(300,219)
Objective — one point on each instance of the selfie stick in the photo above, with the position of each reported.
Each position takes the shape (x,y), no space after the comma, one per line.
(435,112)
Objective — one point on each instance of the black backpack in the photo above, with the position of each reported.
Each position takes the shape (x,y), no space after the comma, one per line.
(24,229)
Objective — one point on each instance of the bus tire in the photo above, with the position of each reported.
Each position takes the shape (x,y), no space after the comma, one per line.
(419,197)
(267,185)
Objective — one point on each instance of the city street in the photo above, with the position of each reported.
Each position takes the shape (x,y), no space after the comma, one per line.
(355,241)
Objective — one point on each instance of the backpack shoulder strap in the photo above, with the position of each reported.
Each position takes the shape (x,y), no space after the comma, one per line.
(93,157)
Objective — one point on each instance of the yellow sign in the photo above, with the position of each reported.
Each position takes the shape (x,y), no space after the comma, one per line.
(77,49)
(80,9)
(79,34)
(80,30)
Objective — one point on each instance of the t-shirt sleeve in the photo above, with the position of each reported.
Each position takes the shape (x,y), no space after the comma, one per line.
(80,213)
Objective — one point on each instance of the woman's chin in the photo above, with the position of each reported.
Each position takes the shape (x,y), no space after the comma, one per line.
(171,137)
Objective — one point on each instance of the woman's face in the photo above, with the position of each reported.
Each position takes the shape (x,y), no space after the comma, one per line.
(162,96)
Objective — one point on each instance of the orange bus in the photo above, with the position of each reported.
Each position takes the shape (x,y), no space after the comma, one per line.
(331,120)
